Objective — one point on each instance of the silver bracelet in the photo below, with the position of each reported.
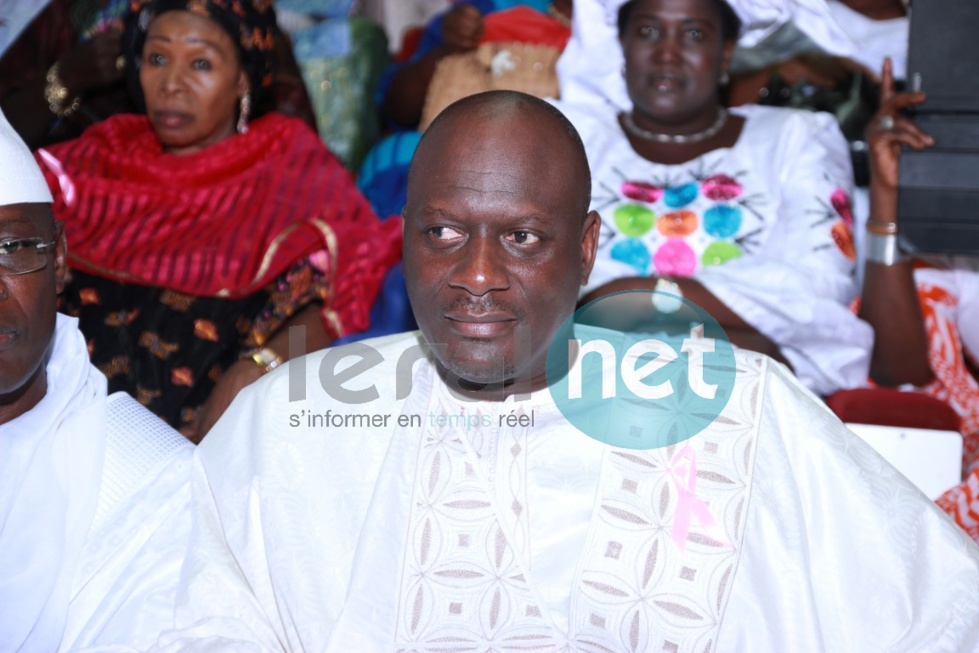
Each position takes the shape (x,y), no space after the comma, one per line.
(883,249)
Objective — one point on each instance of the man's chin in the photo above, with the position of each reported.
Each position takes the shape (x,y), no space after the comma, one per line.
(475,375)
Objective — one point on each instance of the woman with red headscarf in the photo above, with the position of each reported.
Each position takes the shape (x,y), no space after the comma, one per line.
(200,232)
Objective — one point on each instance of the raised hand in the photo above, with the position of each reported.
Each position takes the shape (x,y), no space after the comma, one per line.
(462,27)
(889,129)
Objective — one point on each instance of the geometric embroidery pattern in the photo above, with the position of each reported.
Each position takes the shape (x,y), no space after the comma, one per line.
(465,583)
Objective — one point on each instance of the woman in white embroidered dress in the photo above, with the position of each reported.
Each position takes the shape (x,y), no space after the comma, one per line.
(745,212)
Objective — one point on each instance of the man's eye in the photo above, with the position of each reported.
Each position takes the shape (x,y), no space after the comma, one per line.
(444,233)
(696,35)
(524,238)
(202,64)
(9,247)
(648,31)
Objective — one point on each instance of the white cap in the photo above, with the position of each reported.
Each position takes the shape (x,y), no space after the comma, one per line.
(21,181)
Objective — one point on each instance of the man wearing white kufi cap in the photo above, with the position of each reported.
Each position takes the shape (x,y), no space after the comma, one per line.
(93,489)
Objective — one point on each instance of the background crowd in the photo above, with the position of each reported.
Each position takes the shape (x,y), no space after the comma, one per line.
(228,169)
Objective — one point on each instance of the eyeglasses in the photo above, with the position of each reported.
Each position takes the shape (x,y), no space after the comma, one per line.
(23,255)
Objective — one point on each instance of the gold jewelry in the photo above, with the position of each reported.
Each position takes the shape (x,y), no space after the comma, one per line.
(121,63)
(56,94)
(882,228)
(267,359)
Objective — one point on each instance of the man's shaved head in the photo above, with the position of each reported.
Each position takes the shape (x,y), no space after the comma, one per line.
(501,108)
(498,237)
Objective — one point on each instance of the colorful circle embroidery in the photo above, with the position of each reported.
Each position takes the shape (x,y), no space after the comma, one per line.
(722,221)
(677,224)
(677,197)
(642,191)
(841,204)
(634,220)
(632,252)
(843,238)
(675,257)
(721,188)
(719,252)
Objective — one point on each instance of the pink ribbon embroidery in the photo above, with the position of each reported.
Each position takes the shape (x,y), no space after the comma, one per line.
(683,470)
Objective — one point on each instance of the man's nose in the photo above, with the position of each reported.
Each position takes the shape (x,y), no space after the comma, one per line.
(482,268)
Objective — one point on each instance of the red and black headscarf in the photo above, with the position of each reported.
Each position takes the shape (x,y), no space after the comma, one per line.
(250,23)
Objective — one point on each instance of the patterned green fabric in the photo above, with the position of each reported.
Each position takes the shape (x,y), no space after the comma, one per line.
(341,87)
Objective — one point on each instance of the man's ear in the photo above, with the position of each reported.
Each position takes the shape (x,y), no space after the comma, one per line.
(589,243)
(60,256)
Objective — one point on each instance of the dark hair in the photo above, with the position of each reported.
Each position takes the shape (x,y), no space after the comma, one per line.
(730,23)
(251,25)
(515,103)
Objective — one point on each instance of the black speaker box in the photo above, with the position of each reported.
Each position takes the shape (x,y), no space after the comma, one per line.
(938,196)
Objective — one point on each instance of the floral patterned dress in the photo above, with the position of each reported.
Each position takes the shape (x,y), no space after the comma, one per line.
(166,348)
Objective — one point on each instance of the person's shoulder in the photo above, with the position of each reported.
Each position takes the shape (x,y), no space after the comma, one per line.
(116,133)
(277,129)
(588,117)
(771,387)
(291,144)
(276,121)
(383,351)
(395,342)
(373,362)
(139,447)
(785,137)
(779,120)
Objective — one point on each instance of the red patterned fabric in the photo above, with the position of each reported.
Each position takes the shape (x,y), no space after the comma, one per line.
(962,504)
(524,25)
(222,222)
(954,383)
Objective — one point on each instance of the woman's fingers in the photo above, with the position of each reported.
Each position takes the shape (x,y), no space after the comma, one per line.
(899,101)
(886,82)
(908,133)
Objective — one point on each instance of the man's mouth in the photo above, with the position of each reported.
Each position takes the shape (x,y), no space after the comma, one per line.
(7,337)
(480,325)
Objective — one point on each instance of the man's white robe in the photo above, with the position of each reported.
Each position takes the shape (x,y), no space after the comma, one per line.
(94,519)
(477,537)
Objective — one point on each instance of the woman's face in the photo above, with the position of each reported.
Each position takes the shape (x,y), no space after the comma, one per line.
(674,57)
(192,81)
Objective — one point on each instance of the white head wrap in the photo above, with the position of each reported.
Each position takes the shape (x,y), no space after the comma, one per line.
(17,15)
(590,69)
(21,181)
